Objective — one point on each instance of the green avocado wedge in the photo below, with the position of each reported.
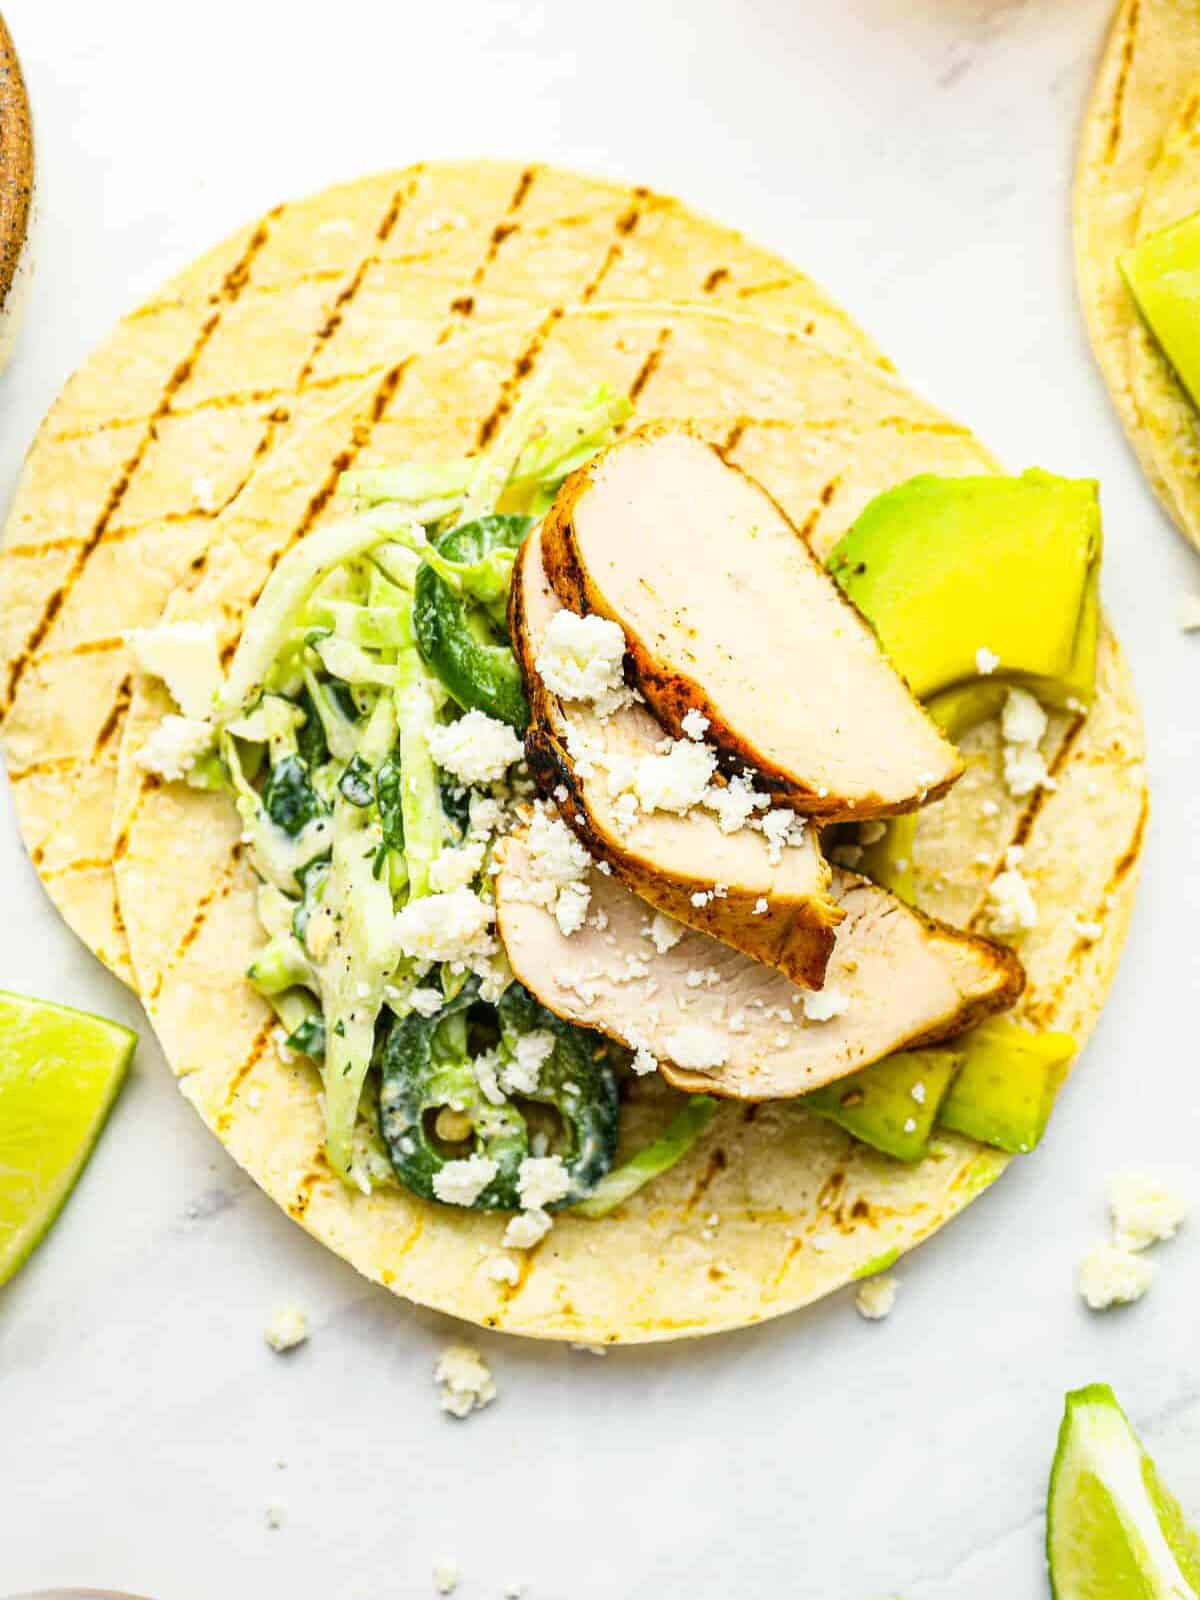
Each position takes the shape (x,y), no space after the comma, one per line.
(1163,275)
(60,1070)
(1006,1087)
(954,571)
(892,1104)
(1114,1531)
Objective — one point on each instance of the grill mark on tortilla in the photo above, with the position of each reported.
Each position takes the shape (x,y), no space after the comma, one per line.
(824,500)
(715,279)
(1133,850)
(1128,51)
(317,1173)
(116,715)
(734,437)
(360,437)
(1044,1012)
(525,363)
(44,766)
(91,864)
(1023,826)
(528,359)
(650,366)
(232,286)
(463,303)
(749,290)
(713,1168)
(625,225)
(243,1070)
(207,902)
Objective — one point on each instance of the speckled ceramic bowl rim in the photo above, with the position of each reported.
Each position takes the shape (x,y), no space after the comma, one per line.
(16,163)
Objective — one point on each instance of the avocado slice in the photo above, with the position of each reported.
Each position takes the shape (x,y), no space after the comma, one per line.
(946,567)
(1163,275)
(1006,1087)
(888,862)
(878,1105)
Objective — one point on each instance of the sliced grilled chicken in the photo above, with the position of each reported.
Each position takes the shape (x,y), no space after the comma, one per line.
(719,1023)
(774,906)
(726,611)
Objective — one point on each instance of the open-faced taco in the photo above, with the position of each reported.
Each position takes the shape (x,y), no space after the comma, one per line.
(632,816)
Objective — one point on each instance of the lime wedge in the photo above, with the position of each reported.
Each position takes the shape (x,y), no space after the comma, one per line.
(59,1074)
(1113,1530)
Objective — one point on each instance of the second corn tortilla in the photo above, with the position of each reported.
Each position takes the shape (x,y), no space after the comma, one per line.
(1139,171)
(773,1208)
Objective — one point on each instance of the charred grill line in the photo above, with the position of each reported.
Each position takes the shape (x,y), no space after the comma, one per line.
(231,288)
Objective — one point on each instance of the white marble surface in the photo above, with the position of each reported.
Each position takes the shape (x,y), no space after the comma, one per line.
(915,155)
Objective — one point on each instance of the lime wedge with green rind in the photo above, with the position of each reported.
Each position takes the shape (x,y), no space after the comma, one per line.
(60,1070)
(1113,1530)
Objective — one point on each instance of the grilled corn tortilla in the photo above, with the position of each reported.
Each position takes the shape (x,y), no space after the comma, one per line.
(1138,173)
(802,1208)
(197,390)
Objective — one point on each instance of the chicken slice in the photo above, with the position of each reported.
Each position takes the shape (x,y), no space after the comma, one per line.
(719,1023)
(728,613)
(775,904)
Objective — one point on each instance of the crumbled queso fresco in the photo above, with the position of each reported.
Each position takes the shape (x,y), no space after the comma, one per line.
(1111,1276)
(286,1329)
(475,749)
(559,868)
(581,659)
(876,1296)
(1022,723)
(465,1380)
(1144,1209)
(174,747)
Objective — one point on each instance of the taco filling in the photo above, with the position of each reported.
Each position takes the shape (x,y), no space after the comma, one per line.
(535,807)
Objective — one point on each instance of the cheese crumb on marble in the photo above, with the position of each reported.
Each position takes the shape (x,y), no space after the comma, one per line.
(475,749)
(582,658)
(445,1575)
(1111,1276)
(460,1183)
(822,1005)
(274,1514)
(875,1297)
(175,746)
(1144,1209)
(464,1379)
(286,1329)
